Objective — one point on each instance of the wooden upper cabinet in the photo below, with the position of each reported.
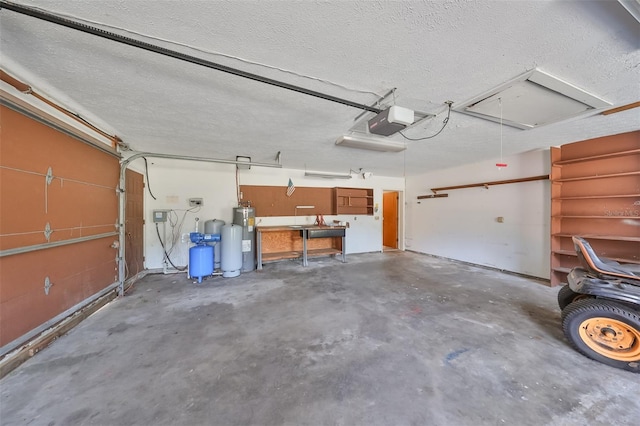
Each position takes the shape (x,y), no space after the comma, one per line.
(595,193)
(353,201)
(307,201)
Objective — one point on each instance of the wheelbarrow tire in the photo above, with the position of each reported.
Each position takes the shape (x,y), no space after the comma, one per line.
(604,331)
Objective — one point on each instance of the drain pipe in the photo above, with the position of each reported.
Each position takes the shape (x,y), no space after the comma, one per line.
(122,196)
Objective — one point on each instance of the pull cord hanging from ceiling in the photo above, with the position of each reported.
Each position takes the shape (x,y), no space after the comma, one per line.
(79,26)
(501,164)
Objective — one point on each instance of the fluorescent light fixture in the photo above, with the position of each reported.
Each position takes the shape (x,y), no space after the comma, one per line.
(374,144)
(632,6)
(532,99)
(327,175)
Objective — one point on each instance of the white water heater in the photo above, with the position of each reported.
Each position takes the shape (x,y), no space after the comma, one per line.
(246,218)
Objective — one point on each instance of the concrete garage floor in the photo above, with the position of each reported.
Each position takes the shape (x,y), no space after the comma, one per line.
(387,339)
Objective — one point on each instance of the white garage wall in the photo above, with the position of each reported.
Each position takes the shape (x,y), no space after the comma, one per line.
(464,226)
(173,182)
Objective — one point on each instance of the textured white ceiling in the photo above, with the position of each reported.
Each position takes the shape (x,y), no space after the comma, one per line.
(430,51)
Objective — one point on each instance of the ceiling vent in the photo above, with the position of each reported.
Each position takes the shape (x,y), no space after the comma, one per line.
(533,99)
(373,144)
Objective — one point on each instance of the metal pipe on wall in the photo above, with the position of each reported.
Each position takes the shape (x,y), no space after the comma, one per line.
(122,196)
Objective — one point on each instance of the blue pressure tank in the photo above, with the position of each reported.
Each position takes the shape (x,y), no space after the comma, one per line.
(200,261)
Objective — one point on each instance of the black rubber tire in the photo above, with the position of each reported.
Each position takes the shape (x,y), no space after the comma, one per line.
(579,311)
(567,296)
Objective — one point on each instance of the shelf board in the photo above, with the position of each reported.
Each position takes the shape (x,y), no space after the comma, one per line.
(593,217)
(364,210)
(323,252)
(266,257)
(595,197)
(565,252)
(600,237)
(611,175)
(617,259)
(597,157)
(561,269)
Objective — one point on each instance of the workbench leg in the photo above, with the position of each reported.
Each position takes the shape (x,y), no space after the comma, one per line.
(304,247)
(344,249)
(259,249)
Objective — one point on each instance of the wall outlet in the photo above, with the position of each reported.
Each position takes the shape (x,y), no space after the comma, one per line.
(195,202)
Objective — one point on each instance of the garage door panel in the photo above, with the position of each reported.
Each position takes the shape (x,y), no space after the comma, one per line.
(80,205)
(28,270)
(79,210)
(18,307)
(76,272)
(21,210)
(80,201)
(32,146)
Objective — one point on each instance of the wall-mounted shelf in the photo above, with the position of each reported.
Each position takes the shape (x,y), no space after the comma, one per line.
(596,197)
(594,194)
(598,157)
(572,253)
(599,237)
(595,217)
(610,175)
(479,185)
(353,201)
(495,182)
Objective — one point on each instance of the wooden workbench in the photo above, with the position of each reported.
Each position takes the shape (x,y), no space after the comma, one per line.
(295,241)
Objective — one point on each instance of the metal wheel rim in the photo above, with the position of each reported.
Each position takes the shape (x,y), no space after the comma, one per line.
(611,338)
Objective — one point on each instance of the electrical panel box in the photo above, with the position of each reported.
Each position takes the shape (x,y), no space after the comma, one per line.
(159,216)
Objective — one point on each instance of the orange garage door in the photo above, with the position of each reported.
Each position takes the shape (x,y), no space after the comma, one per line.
(58,215)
